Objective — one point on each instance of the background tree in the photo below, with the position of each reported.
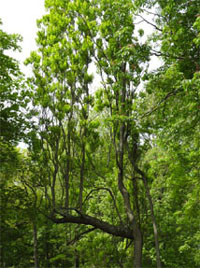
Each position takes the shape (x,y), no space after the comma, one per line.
(173,92)
(12,90)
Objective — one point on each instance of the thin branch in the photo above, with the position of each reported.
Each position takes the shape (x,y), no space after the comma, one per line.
(152,13)
(135,23)
(171,93)
(150,23)
(79,236)
(64,211)
(94,168)
(112,196)
(160,54)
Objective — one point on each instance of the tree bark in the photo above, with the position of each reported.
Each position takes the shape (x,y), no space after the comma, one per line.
(121,231)
(155,229)
(77,261)
(159,265)
(138,244)
(46,246)
(36,263)
(82,177)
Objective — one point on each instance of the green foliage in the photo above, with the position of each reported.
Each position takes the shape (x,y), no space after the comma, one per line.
(12,91)
(93,145)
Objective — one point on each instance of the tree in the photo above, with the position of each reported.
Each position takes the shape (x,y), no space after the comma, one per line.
(173,91)
(14,126)
(100,33)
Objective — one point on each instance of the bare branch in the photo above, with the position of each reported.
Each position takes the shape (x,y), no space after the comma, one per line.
(152,13)
(138,22)
(150,23)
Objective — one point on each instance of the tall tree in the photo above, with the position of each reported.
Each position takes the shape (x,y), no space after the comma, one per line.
(73,37)
(92,145)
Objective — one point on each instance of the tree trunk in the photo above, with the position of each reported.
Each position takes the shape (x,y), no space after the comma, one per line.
(82,177)
(77,261)
(138,244)
(155,229)
(46,245)
(36,264)
(68,151)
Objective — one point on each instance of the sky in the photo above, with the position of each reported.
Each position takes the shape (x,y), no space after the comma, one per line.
(19,16)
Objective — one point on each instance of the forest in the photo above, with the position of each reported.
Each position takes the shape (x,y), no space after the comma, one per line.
(110,174)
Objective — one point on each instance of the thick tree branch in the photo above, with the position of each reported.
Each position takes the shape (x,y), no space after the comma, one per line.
(120,231)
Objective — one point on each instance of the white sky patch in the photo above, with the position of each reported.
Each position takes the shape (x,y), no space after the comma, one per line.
(19,17)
